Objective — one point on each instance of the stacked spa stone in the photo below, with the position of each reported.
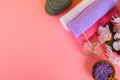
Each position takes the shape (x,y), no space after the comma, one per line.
(54,7)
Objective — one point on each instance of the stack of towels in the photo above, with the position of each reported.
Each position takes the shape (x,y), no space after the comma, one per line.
(87,16)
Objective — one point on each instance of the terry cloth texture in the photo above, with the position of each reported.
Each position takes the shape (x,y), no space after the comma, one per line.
(101,22)
(65,19)
(90,16)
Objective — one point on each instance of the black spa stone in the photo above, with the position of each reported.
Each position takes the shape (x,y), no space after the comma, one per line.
(102,70)
(54,7)
(51,11)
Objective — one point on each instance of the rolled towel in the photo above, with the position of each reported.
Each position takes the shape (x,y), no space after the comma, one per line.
(65,19)
(102,21)
(90,16)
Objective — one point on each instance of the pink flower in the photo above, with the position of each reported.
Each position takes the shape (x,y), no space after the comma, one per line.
(117,36)
(116,28)
(116,22)
(116,45)
(104,34)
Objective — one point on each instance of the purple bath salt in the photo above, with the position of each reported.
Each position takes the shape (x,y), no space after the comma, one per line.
(90,16)
(102,70)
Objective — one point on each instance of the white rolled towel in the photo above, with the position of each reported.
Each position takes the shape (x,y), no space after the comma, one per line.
(65,19)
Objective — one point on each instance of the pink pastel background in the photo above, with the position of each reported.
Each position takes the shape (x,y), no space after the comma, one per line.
(35,46)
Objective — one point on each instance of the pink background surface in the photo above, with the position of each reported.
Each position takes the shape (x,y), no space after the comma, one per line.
(35,46)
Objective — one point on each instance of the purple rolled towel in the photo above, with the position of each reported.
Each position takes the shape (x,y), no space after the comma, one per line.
(90,16)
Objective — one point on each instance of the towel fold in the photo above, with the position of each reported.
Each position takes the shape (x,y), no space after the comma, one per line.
(102,21)
(90,16)
(74,12)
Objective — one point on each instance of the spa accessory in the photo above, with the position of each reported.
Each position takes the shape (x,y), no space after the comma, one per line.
(103,70)
(111,78)
(112,39)
(77,10)
(54,7)
(92,48)
(104,34)
(112,56)
(102,21)
(90,16)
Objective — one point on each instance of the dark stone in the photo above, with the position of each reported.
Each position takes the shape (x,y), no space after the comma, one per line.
(54,7)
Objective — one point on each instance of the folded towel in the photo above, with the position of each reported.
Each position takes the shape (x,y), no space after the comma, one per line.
(74,12)
(90,16)
(102,21)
